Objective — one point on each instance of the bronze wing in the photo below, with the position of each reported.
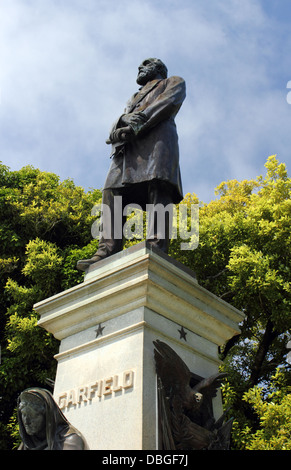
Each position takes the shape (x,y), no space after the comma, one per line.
(171,369)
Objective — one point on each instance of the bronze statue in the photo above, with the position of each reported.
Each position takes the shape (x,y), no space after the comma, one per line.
(185,405)
(43,426)
(145,155)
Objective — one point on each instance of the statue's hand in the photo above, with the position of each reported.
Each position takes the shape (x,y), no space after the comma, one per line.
(135,120)
(123,134)
(131,124)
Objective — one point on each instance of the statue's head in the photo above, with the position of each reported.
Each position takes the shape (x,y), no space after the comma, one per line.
(33,414)
(42,425)
(150,69)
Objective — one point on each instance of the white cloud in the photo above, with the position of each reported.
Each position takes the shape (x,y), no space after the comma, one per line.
(68,68)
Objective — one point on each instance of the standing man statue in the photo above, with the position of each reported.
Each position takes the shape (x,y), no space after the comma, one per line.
(145,155)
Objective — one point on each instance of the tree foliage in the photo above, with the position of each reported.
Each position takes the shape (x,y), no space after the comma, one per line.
(44,229)
(243,257)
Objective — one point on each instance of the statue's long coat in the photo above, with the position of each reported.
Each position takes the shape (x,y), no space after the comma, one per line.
(154,153)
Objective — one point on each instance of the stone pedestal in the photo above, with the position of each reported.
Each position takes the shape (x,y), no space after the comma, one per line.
(106,381)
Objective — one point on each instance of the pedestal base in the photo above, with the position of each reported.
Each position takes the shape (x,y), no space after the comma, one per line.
(106,380)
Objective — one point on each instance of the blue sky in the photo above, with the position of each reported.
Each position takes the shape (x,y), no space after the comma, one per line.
(67,68)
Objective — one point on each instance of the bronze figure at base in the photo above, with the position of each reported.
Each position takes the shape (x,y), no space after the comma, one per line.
(185,405)
(43,426)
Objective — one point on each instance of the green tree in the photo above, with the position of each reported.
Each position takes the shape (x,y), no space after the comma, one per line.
(44,229)
(274,414)
(244,257)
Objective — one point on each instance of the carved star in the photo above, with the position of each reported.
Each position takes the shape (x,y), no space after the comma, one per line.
(182,333)
(99,330)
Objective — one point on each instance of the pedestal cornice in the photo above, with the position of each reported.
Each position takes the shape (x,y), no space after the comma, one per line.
(139,277)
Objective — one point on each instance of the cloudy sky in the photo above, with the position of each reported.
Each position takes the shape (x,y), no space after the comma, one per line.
(67,68)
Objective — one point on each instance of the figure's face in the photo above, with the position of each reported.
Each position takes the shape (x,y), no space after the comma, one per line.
(147,71)
(33,420)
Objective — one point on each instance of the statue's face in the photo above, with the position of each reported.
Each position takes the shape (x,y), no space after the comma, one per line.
(147,71)
(33,420)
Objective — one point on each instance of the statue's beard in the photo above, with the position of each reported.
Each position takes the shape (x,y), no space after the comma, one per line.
(144,77)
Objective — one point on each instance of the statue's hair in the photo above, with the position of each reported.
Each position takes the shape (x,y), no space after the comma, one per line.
(161,67)
(30,399)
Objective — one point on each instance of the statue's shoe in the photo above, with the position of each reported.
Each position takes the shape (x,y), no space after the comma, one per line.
(84,264)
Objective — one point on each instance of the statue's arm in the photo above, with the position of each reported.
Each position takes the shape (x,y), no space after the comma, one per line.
(73,442)
(166,104)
